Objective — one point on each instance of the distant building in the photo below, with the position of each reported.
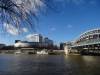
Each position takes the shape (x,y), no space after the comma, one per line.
(35,38)
(48,42)
(22,44)
(37,42)
(62,46)
(2,45)
(17,41)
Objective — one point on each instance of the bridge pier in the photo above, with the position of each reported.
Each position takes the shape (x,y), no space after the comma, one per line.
(67,48)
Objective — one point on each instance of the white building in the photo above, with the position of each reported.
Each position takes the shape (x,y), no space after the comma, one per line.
(22,44)
(34,38)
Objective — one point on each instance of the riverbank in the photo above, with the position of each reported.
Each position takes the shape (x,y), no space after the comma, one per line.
(43,52)
(49,52)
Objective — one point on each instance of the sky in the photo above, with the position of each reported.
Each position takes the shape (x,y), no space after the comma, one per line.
(72,18)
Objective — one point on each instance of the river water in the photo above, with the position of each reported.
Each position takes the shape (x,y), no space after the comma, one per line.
(49,65)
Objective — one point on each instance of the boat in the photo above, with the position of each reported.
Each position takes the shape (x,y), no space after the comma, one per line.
(42,52)
(18,52)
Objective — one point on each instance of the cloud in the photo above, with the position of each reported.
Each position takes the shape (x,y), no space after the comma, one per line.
(24,30)
(13,30)
(69,26)
(52,29)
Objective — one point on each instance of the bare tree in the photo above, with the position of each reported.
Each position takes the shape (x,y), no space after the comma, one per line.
(21,13)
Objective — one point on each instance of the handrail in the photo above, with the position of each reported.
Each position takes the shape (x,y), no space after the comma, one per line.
(88,42)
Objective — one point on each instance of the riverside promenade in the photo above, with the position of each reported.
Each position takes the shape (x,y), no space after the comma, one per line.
(32,51)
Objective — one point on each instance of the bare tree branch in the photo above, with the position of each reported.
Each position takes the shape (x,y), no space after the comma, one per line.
(21,13)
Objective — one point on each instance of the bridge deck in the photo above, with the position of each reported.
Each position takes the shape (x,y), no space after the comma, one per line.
(89,42)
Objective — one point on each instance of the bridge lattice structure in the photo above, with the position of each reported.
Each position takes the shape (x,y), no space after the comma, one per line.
(91,37)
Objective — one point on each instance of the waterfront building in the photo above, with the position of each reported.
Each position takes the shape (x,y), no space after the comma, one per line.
(37,42)
(62,46)
(47,42)
(22,44)
(2,45)
(35,38)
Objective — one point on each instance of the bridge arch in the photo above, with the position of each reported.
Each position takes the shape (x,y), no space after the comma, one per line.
(89,37)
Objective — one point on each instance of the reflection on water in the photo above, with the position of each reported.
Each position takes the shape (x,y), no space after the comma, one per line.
(49,65)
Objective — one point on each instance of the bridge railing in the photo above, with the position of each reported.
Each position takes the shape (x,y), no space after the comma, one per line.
(87,42)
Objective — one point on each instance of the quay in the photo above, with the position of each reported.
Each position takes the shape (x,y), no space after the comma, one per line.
(33,51)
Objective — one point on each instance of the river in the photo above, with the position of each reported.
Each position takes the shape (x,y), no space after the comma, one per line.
(11,64)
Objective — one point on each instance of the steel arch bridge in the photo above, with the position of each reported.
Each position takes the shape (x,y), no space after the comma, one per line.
(88,38)
(89,41)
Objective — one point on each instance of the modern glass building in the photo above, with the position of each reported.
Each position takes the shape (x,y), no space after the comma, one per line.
(35,41)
